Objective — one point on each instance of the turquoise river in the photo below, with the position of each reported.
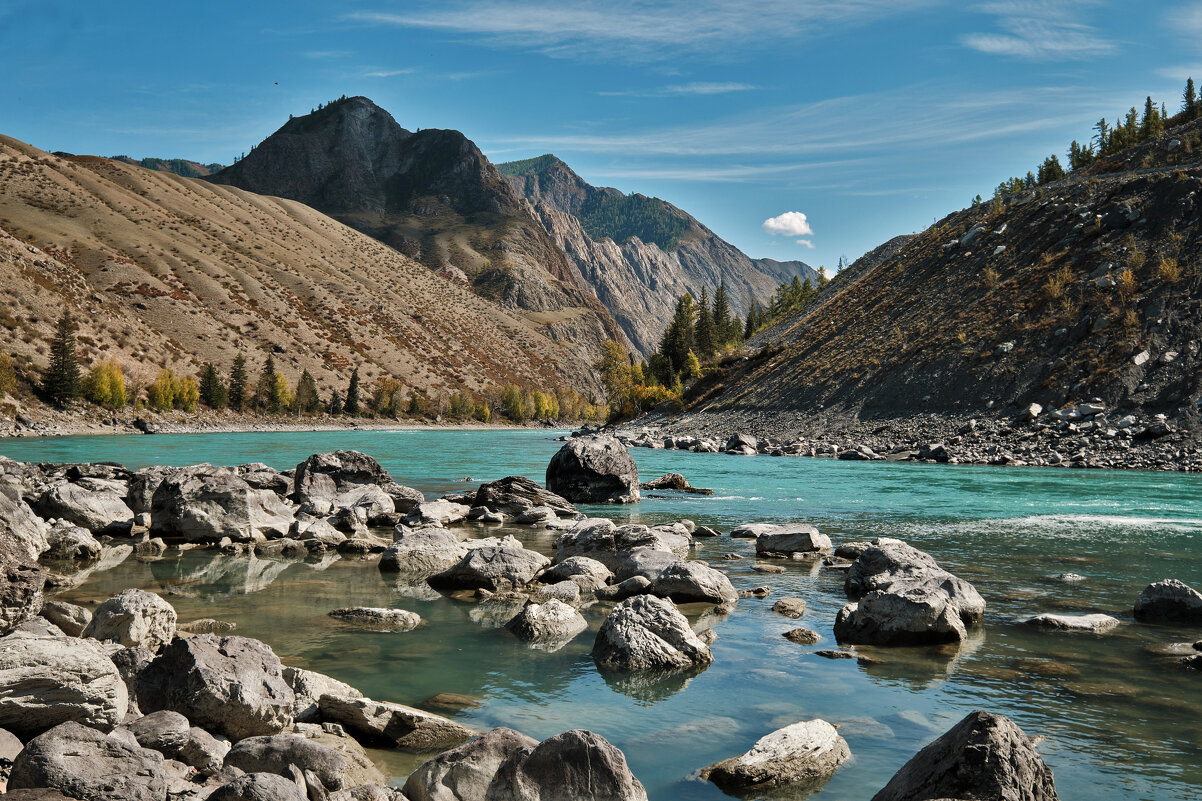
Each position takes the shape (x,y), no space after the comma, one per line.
(1118,721)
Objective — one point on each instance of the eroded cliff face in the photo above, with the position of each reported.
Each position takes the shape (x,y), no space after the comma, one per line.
(639,282)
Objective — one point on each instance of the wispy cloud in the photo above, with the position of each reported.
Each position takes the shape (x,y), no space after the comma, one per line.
(633,28)
(696,88)
(806,243)
(734,173)
(322,55)
(387,73)
(1040,30)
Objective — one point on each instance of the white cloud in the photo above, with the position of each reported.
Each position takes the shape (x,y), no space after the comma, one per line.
(697,88)
(387,73)
(1040,30)
(807,243)
(791,223)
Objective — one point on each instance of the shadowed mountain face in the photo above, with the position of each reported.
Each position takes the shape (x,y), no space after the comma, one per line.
(433,196)
(640,254)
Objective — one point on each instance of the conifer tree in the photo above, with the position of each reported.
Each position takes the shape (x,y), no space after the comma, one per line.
(238,380)
(306,399)
(1190,98)
(268,395)
(212,392)
(753,321)
(679,337)
(704,333)
(351,406)
(335,404)
(61,381)
(725,326)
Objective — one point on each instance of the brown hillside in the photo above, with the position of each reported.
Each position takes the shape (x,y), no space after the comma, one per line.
(169,271)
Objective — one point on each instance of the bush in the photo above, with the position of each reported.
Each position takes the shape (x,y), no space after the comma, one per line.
(1127,285)
(169,391)
(105,385)
(1169,270)
(1057,282)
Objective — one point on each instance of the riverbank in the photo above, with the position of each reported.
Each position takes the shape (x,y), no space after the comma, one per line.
(1085,435)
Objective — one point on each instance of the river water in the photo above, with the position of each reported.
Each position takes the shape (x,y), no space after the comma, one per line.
(1118,721)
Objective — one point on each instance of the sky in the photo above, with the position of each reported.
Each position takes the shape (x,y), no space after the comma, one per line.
(795,129)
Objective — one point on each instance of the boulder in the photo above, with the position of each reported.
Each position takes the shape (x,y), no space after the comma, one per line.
(71,543)
(495,567)
(259,787)
(574,567)
(393,725)
(600,539)
(309,686)
(1096,623)
(688,582)
(791,539)
(229,685)
(892,566)
(378,619)
(751,531)
(21,584)
(203,751)
(549,622)
(84,763)
(643,561)
(164,731)
(913,616)
(577,765)
(595,469)
(71,619)
(635,585)
(984,756)
(130,662)
(10,746)
(1169,601)
(536,515)
(45,681)
(739,442)
(790,607)
(208,504)
(674,481)
(436,513)
(275,753)
(464,773)
(802,636)
(422,552)
(326,482)
(22,533)
(648,633)
(515,494)
(99,511)
(134,618)
(801,754)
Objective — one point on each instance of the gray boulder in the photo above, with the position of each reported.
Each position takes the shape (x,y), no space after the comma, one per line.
(422,552)
(98,511)
(260,787)
(914,616)
(635,585)
(1169,601)
(274,754)
(207,504)
(130,662)
(377,619)
(751,531)
(309,686)
(516,494)
(21,584)
(23,533)
(595,469)
(71,543)
(575,567)
(393,725)
(436,513)
(648,633)
(465,772)
(87,764)
(690,582)
(229,685)
(203,751)
(504,566)
(791,539)
(45,681)
(801,754)
(984,756)
(642,561)
(326,482)
(600,539)
(546,623)
(10,746)
(893,566)
(164,731)
(576,765)
(70,618)
(134,618)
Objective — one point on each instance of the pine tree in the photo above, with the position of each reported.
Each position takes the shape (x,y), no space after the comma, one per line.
(238,380)
(1190,98)
(705,332)
(725,327)
(61,381)
(351,406)
(268,396)
(307,400)
(1102,138)
(753,321)
(212,391)
(679,337)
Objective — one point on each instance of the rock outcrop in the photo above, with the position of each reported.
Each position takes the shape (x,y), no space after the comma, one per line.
(801,754)
(648,633)
(1169,601)
(45,681)
(596,469)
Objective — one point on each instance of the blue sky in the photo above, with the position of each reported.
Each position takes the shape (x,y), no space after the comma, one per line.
(869,117)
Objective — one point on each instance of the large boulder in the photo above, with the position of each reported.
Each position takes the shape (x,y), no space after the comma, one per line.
(601,539)
(45,681)
(893,566)
(506,565)
(275,753)
(984,756)
(71,543)
(207,504)
(326,482)
(422,552)
(547,623)
(791,539)
(260,787)
(98,511)
(90,765)
(1169,601)
(10,746)
(648,633)
(229,685)
(465,772)
(594,469)
(21,583)
(22,533)
(584,571)
(804,753)
(913,616)
(1095,624)
(436,513)
(392,725)
(687,582)
(134,618)
(309,686)
(70,618)
(515,494)
(577,765)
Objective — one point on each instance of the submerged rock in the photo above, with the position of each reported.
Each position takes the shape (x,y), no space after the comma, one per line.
(465,772)
(674,481)
(648,633)
(45,681)
(1096,623)
(596,469)
(804,753)
(577,765)
(1169,601)
(378,619)
(84,763)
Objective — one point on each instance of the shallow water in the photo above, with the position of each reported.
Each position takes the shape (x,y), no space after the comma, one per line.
(1118,722)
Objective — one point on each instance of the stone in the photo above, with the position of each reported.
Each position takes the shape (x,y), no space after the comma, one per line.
(436,513)
(705,532)
(496,567)
(71,543)
(893,566)
(515,494)
(10,746)
(917,615)
(309,686)
(689,582)
(376,619)
(21,583)
(982,756)
(130,662)
(98,511)
(464,773)
(259,787)
(206,504)
(755,592)
(577,765)
(635,585)
(738,442)
(751,531)
(134,618)
(275,753)
(567,592)
(45,681)
(801,754)
(203,751)
(616,547)
(575,566)
(228,685)
(792,539)
(1169,601)
(23,532)
(422,552)
(207,625)
(394,725)
(648,633)
(70,618)
(326,482)
(164,731)
(535,515)
(85,763)
(549,622)
(595,469)
(1032,411)
(761,567)
(790,607)
(802,636)
(1096,623)
(674,481)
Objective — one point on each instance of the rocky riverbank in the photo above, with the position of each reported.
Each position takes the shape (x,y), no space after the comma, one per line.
(124,700)
(1083,435)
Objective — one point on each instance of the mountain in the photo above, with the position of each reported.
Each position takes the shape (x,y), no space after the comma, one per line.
(165,271)
(433,196)
(1080,288)
(183,167)
(639,254)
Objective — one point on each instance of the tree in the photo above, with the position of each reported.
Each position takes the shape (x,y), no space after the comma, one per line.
(704,333)
(352,394)
(726,328)
(415,405)
(1050,170)
(513,404)
(307,400)
(212,391)
(753,321)
(1190,100)
(335,404)
(692,367)
(679,337)
(170,391)
(615,371)
(105,385)
(61,381)
(267,392)
(238,379)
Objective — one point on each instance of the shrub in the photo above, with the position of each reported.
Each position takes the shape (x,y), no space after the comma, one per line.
(1057,282)
(169,391)
(991,278)
(105,385)
(1127,285)
(513,404)
(1169,270)
(483,413)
